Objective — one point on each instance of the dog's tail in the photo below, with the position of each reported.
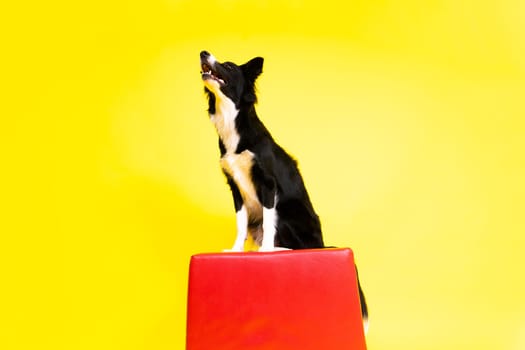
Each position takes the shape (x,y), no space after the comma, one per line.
(362,300)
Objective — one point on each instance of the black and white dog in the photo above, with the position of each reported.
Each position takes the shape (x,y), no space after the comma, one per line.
(269,194)
(270,198)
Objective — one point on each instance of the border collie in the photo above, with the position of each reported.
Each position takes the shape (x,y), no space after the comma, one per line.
(269,194)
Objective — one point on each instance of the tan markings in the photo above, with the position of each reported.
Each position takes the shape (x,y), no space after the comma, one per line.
(257,234)
(239,167)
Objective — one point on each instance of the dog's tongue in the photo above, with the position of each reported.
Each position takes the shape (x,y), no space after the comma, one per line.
(207,73)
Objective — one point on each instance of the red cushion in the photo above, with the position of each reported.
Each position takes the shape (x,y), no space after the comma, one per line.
(300,299)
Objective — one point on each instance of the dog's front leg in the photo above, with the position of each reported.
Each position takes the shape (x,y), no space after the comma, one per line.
(242,230)
(241,217)
(269,229)
(269,201)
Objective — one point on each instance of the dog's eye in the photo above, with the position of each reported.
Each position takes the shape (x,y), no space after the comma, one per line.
(228,66)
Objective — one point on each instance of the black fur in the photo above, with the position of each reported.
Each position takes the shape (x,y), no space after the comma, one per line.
(274,173)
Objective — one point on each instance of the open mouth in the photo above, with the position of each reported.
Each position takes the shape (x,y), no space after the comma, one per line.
(208,73)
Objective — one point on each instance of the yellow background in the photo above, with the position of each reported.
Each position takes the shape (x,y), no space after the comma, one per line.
(406,118)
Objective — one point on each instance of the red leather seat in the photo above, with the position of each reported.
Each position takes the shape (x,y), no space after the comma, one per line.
(300,299)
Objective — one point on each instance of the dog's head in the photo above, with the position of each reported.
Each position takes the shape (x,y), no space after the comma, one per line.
(228,80)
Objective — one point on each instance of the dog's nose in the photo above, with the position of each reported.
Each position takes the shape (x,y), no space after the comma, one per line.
(205,54)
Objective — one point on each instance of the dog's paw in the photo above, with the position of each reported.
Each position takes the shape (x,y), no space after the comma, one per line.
(232,250)
(272,249)
(277,249)
(263,249)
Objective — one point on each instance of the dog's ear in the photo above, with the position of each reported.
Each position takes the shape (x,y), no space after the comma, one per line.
(253,68)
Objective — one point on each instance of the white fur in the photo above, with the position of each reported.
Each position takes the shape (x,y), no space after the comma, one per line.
(224,121)
(269,229)
(242,230)
(211,60)
(225,113)
(365,325)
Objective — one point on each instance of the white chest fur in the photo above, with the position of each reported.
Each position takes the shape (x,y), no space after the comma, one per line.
(224,121)
(237,165)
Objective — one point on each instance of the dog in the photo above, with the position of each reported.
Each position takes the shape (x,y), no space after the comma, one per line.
(269,194)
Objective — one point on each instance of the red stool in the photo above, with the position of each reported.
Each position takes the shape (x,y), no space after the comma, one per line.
(296,299)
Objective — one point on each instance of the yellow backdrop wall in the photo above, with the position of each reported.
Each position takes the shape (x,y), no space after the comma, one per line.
(406,118)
